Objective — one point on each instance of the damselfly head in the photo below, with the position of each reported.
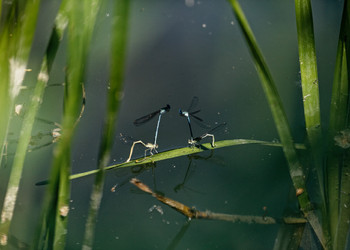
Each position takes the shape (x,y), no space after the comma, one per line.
(167,108)
(183,113)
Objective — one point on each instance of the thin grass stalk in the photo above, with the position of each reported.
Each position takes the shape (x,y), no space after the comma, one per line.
(296,170)
(118,48)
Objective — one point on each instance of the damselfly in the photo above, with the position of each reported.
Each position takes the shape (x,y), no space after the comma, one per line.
(196,140)
(149,146)
(190,113)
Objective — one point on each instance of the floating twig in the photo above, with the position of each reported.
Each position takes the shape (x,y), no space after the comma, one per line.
(193,213)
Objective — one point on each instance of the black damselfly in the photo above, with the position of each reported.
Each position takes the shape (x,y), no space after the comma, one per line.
(196,140)
(189,113)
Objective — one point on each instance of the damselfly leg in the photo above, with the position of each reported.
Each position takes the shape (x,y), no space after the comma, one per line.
(149,147)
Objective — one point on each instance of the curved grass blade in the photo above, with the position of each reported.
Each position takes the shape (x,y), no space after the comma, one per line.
(296,170)
(119,36)
(178,153)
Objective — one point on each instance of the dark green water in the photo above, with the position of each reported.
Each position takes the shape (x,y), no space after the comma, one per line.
(177,50)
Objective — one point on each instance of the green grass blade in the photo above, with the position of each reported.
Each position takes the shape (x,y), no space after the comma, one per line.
(309,82)
(310,89)
(118,48)
(178,153)
(308,69)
